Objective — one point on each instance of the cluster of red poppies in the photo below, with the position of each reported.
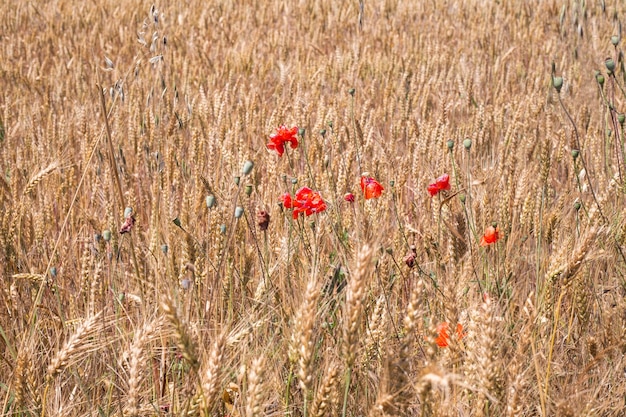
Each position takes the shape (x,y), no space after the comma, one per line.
(305,201)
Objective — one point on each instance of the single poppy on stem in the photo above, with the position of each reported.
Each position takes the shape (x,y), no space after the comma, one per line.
(492,235)
(349,197)
(371,188)
(282,136)
(440,184)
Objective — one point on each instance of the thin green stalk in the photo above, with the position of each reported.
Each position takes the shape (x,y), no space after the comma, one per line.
(346,391)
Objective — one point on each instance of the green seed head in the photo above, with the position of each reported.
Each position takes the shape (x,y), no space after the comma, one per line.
(301,131)
(248,190)
(351,92)
(577,205)
(575,153)
(247,167)
(237,179)
(450,144)
(610,64)
(238,212)
(614,40)
(557,82)
(294,181)
(106,235)
(600,79)
(210,201)
(323,132)
(467,143)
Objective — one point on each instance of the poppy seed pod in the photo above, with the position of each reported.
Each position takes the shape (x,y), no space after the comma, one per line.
(621,118)
(177,222)
(238,212)
(301,131)
(323,132)
(165,249)
(467,143)
(223,229)
(614,40)
(450,144)
(351,92)
(106,235)
(127,212)
(237,179)
(557,83)
(577,205)
(248,190)
(575,153)
(53,271)
(247,167)
(210,201)
(610,64)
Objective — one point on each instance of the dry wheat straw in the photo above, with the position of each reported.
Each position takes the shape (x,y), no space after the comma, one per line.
(256,388)
(79,342)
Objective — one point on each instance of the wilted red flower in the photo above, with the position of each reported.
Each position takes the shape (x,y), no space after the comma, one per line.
(492,234)
(442,334)
(263,219)
(349,197)
(371,188)
(410,257)
(286,200)
(282,135)
(128,225)
(306,201)
(440,184)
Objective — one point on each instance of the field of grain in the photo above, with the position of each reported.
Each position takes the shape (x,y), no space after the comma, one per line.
(459,248)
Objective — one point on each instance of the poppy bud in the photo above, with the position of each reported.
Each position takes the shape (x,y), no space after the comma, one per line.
(323,132)
(557,82)
(247,167)
(248,190)
(600,79)
(294,181)
(621,118)
(330,124)
(97,237)
(351,92)
(450,144)
(237,179)
(106,234)
(392,183)
(210,201)
(462,198)
(238,212)
(177,222)
(610,65)
(467,143)
(575,153)
(349,197)
(223,228)
(301,131)
(614,40)
(263,219)
(577,205)
(165,249)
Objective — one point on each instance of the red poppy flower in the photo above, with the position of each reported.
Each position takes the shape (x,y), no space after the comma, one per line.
(492,234)
(349,197)
(371,188)
(286,200)
(306,201)
(442,334)
(283,135)
(440,184)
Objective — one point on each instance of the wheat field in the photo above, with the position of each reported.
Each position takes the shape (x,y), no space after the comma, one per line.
(448,237)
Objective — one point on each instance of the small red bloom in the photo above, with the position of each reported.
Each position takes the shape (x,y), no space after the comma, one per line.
(492,234)
(349,197)
(286,200)
(442,331)
(283,135)
(371,188)
(440,184)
